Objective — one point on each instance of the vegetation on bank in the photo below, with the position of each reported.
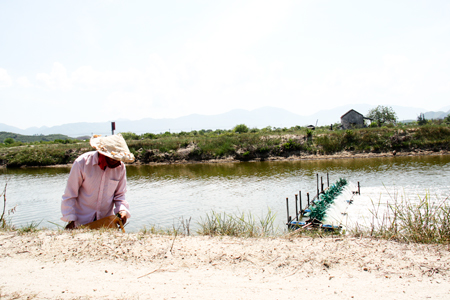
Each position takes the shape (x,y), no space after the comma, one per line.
(243,143)
(424,220)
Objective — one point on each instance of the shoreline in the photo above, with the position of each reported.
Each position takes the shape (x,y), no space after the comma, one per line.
(112,265)
(340,155)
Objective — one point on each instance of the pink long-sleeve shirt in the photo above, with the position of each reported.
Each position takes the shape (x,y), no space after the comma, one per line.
(92,192)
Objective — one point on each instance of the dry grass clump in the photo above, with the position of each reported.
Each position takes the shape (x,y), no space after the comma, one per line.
(4,223)
(422,221)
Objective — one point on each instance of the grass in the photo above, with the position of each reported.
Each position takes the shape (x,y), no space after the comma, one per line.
(238,225)
(158,230)
(29,228)
(421,221)
(182,228)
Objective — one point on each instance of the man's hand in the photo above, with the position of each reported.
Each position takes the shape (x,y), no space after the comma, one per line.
(71,225)
(123,216)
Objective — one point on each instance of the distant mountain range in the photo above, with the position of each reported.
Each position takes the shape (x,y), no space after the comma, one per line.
(261,117)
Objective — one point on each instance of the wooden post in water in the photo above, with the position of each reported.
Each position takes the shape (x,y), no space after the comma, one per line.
(307,196)
(328,180)
(296,207)
(300,197)
(359,191)
(287,208)
(321,184)
(317,185)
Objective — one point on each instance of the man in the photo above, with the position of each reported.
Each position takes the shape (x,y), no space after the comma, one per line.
(97,183)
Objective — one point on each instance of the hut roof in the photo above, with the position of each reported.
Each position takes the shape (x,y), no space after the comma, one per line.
(355,112)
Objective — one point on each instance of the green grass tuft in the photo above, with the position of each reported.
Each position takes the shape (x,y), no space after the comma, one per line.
(238,225)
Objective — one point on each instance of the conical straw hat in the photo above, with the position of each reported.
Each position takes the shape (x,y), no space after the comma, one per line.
(113,146)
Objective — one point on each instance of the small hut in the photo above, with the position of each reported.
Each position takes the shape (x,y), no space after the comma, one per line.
(353,119)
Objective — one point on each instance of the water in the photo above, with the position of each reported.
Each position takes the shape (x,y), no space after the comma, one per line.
(163,195)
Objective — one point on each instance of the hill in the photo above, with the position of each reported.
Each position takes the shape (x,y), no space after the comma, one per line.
(31,138)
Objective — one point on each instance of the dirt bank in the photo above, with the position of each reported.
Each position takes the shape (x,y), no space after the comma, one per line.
(340,155)
(94,265)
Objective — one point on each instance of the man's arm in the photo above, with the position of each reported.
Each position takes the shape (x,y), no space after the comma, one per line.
(70,195)
(120,204)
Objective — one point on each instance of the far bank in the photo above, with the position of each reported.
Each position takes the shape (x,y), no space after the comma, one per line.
(274,145)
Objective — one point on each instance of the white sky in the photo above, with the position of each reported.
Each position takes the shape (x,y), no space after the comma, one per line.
(98,60)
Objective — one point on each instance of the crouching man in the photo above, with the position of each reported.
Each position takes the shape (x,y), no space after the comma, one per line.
(97,183)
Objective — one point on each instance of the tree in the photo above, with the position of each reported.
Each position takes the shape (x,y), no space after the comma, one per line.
(382,114)
(241,128)
(447,119)
(8,141)
(421,119)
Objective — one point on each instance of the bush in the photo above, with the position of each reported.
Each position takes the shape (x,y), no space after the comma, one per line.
(329,143)
(292,145)
(8,141)
(349,137)
(66,141)
(130,136)
(151,136)
(241,128)
(421,119)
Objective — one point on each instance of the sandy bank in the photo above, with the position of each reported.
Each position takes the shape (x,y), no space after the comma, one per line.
(110,265)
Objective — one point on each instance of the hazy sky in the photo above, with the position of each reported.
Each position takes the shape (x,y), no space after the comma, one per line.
(77,61)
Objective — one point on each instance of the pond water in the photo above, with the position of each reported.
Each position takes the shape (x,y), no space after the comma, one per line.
(164,195)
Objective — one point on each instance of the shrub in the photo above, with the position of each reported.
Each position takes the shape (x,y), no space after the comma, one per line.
(241,128)
(130,136)
(329,143)
(373,124)
(292,145)
(8,141)
(151,136)
(349,137)
(421,119)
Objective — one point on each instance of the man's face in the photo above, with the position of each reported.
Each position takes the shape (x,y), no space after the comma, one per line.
(112,163)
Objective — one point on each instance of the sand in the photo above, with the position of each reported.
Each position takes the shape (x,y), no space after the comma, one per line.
(112,265)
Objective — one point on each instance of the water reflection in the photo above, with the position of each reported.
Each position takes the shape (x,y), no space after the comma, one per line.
(163,194)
